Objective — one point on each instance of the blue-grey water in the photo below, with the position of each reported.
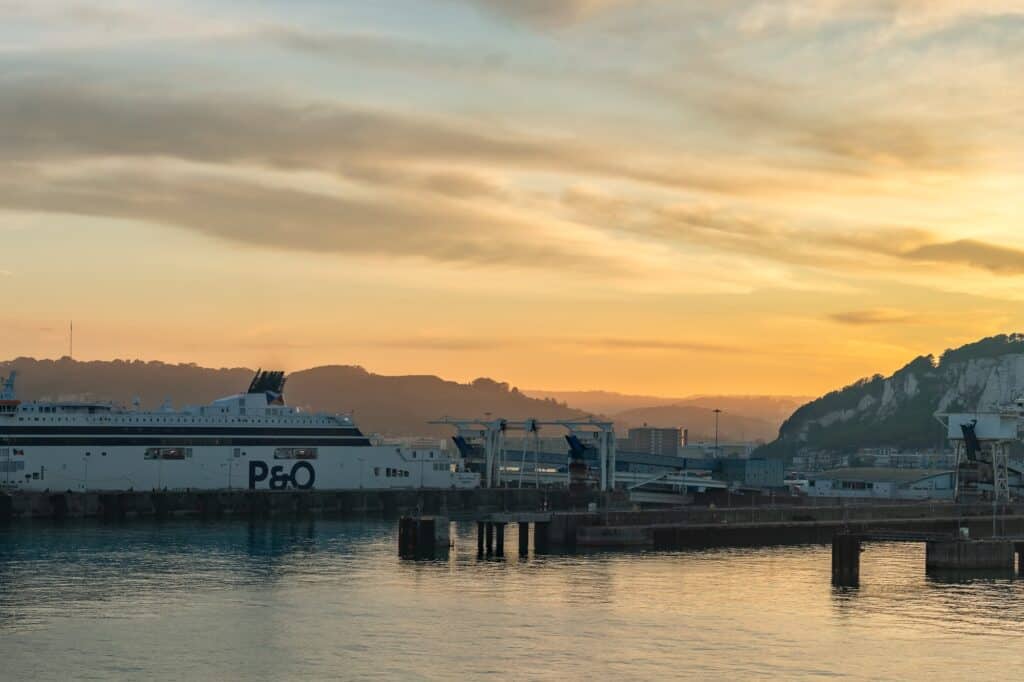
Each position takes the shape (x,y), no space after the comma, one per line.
(331,600)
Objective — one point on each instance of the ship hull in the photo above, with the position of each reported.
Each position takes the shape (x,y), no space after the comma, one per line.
(113,467)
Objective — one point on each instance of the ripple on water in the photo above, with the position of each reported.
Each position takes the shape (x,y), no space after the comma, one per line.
(331,599)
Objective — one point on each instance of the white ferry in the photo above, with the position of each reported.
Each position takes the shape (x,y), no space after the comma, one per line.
(247,441)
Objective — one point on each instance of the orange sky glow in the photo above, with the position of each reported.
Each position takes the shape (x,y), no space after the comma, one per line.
(642,196)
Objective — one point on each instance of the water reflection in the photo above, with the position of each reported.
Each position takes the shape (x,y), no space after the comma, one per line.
(331,599)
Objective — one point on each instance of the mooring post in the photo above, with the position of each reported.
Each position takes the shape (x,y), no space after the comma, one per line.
(490,538)
(499,541)
(479,538)
(845,560)
(524,538)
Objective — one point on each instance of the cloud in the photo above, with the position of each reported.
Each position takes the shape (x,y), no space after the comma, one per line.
(823,246)
(874,316)
(1001,260)
(58,120)
(647,344)
(898,17)
(849,137)
(283,218)
(6,273)
(550,13)
(379,50)
(409,342)
(456,189)
(759,235)
(54,120)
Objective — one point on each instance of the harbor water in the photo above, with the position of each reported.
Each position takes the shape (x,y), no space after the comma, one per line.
(331,600)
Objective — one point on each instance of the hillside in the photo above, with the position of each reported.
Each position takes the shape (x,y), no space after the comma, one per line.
(390,405)
(767,408)
(602,402)
(898,410)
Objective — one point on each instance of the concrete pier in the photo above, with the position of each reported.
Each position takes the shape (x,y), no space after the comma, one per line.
(421,537)
(962,555)
(846,549)
(524,538)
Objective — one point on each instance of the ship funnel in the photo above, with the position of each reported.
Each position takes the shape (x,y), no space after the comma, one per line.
(270,383)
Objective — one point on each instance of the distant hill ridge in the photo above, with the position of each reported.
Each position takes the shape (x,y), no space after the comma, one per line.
(700,421)
(899,410)
(388,405)
(743,416)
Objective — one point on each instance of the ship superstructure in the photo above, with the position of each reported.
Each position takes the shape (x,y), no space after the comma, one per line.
(250,440)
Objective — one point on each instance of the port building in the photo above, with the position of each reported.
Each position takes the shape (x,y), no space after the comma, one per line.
(882,483)
(653,441)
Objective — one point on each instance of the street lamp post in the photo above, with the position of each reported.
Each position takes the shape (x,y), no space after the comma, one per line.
(717,412)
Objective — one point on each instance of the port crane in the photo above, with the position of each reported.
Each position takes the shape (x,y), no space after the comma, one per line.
(489,435)
(984,438)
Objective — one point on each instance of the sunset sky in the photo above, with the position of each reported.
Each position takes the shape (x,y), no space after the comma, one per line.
(649,196)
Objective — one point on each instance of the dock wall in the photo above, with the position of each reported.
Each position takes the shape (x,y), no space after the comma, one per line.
(24,505)
(704,527)
(970,555)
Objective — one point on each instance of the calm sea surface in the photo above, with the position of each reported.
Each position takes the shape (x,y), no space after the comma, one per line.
(325,599)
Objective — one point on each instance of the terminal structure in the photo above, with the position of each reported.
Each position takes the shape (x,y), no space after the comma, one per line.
(982,441)
(486,438)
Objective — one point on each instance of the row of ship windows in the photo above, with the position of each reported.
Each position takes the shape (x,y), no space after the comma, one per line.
(182,453)
(111,420)
(186,453)
(390,472)
(18,465)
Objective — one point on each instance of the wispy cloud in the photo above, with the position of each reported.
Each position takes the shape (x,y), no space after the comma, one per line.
(251,213)
(653,344)
(548,13)
(996,258)
(875,316)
